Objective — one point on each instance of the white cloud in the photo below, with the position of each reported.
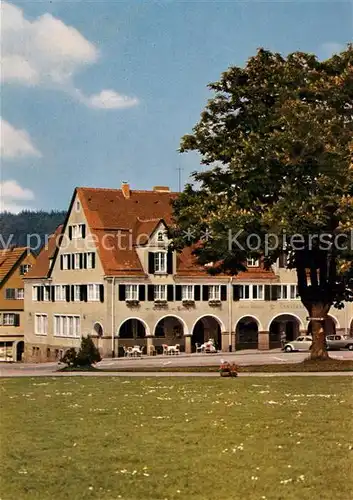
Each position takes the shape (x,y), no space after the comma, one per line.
(13,197)
(329,48)
(47,52)
(15,143)
(109,99)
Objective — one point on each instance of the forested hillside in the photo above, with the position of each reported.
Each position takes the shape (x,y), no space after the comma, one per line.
(15,228)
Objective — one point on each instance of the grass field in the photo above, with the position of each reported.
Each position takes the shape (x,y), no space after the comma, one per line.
(189,439)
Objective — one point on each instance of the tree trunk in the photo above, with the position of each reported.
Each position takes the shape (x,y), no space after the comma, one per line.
(318,348)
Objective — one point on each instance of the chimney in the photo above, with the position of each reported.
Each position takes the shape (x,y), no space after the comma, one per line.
(161,189)
(125,187)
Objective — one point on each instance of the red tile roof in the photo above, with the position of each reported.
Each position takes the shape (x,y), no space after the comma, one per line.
(110,214)
(9,257)
(41,268)
(119,223)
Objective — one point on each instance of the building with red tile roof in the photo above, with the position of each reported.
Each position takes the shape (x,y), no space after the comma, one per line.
(15,262)
(108,272)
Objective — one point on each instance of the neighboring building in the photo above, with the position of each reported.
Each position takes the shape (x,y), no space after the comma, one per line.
(15,262)
(108,273)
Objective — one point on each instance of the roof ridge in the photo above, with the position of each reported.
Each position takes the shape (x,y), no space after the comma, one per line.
(154,219)
(149,191)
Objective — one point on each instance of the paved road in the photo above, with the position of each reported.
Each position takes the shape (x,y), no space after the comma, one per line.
(240,358)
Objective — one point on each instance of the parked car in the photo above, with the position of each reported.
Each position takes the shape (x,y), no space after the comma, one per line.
(339,342)
(299,344)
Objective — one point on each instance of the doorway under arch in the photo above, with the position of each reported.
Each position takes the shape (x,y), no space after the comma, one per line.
(97,335)
(20,347)
(169,330)
(247,331)
(132,328)
(283,328)
(206,328)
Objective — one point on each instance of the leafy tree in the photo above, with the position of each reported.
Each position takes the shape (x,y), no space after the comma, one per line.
(87,355)
(277,142)
(16,229)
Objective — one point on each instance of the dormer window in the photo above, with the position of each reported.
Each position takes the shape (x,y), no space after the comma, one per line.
(252,262)
(160,262)
(160,236)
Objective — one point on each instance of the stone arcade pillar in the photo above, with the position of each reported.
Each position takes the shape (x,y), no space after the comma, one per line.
(225,342)
(149,340)
(187,344)
(263,341)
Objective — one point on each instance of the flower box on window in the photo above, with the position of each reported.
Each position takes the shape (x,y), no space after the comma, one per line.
(160,302)
(188,302)
(132,302)
(214,302)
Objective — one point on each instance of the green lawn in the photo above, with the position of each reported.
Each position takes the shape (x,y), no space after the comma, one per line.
(171,438)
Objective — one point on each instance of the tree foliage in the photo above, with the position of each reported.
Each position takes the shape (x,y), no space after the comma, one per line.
(87,355)
(16,228)
(277,142)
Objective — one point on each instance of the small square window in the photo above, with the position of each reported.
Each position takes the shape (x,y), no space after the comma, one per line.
(252,262)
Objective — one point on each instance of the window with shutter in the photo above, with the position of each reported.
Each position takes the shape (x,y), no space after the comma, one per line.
(10,293)
(142,292)
(131,292)
(122,292)
(150,263)
(101,293)
(236,292)
(150,293)
(214,292)
(197,292)
(170,262)
(187,292)
(205,292)
(170,293)
(178,293)
(160,262)
(160,293)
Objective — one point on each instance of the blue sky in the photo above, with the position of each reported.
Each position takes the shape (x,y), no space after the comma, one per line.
(96,93)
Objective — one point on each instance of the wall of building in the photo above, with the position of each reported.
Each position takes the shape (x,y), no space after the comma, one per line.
(91,313)
(105,320)
(12,336)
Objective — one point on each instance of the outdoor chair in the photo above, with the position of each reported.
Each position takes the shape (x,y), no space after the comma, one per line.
(198,347)
(127,351)
(165,348)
